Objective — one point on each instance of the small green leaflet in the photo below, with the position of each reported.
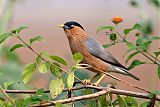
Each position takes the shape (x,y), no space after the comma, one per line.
(4,36)
(136,26)
(70,80)
(44,67)
(16,47)
(45,54)
(78,57)
(28,72)
(58,59)
(135,63)
(19,29)
(159,71)
(55,69)
(58,105)
(105,27)
(103,101)
(108,45)
(38,60)
(121,101)
(131,102)
(157,53)
(131,47)
(56,87)
(7,84)
(35,39)
(90,102)
(131,56)
(145,104)
(40,91)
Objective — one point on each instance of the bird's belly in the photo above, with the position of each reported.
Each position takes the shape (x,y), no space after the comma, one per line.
(99,66)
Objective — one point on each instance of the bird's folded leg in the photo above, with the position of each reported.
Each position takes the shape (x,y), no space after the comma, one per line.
(100,79)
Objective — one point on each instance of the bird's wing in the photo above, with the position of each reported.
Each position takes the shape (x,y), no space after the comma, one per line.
(96,49)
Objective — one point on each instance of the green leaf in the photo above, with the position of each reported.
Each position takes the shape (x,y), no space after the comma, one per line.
(126,31)
(131,56)
(38,60)
(144,40)
(56,87)
(70,80)
(58,59)
(145,46)
(145,104)
(28,72)
(130,47)
(104,28)
(44,67)
(157,92)
(90,102)
(45,97)
(159,71)
(35,39)
(19,29)
(45,54)
(7,84)
(157,53)
(16,47)
(55,69)
(103,102)
(4,36)
(78,57)
(151,95)
(135,63)
(131,102)
(152,38)
(121,101)
(108,45)
(136,26)
(40,91)
(58,104)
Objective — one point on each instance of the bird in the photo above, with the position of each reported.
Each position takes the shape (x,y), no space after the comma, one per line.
(93,52)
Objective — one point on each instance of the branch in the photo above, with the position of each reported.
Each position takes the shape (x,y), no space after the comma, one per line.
(102,91)
(73,99)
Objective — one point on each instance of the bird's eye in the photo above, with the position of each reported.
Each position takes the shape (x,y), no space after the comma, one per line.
(72,26)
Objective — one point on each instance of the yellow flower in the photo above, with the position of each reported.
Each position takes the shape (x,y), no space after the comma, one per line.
(117,20)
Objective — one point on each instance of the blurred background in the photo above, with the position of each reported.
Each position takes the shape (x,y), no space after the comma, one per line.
(42,18)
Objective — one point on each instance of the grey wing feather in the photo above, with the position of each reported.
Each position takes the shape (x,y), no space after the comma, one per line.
(96,49)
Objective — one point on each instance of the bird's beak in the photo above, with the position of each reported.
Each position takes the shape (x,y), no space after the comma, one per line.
(61,25)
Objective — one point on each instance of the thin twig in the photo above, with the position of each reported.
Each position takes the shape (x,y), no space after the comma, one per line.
(9,99)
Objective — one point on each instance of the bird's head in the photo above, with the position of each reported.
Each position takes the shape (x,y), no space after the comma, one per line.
(72,29)
(70,25)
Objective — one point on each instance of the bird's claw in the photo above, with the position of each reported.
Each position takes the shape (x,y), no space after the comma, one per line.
(94,84)
(85,81)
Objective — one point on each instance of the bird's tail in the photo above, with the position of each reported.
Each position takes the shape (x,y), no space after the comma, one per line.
(125,72)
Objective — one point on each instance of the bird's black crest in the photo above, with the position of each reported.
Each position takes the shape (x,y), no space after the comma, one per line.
(70,23)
